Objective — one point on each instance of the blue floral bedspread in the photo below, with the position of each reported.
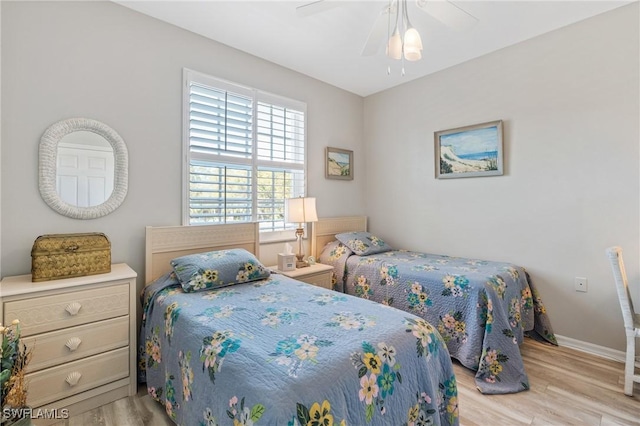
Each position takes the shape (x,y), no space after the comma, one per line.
(482,309)
(282,352)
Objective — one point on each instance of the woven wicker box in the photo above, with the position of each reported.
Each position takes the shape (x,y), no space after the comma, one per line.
(56,256)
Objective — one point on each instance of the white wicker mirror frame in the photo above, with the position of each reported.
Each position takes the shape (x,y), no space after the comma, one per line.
(47,168)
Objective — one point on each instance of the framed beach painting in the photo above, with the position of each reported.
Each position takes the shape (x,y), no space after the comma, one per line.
(338,164)
(469,151)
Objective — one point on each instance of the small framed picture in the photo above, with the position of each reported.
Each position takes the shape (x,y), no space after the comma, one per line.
(469,151)
(338,164)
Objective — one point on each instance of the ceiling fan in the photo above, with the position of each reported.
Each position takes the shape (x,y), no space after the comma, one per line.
(444,11)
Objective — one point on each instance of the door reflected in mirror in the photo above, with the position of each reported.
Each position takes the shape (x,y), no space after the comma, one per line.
(85,169)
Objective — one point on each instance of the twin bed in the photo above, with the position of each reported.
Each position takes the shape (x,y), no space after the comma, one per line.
(278,351)
(482,309)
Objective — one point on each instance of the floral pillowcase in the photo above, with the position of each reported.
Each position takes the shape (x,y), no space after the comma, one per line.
(204,271)
(363,243)
(335,254)
(333,251)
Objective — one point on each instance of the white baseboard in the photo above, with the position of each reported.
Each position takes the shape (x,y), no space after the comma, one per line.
(590,348)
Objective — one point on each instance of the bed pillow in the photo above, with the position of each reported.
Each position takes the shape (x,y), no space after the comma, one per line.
(333,251)
(204,271)
(336,254)
(363,243)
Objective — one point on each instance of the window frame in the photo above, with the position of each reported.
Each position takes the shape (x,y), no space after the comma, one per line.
(254,162)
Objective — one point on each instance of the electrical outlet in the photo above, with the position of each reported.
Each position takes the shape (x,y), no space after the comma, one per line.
(580,284)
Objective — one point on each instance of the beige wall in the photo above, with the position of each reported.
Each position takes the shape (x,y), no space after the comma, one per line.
(570,104)
(103,61)
(569,100)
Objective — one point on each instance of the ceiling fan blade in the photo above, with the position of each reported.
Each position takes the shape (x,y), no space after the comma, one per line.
(378,31)
(315,7)
(448,13)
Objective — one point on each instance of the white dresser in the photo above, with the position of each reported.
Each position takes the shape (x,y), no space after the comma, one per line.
(83,334)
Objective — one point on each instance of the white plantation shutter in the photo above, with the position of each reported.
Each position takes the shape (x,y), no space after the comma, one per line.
(280,134)
(219,193)
(244,151)
(220,122)
(274,186)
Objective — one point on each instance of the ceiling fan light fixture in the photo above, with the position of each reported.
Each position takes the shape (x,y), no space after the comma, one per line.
(409,45)
(412,55)
(412,45)
(394,47)
(412,39)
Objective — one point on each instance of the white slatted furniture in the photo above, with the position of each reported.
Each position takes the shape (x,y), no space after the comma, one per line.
(83,334)
(317,274)
(631,318)
(325,229)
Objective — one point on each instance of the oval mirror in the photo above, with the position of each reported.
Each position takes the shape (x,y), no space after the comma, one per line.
(83,168)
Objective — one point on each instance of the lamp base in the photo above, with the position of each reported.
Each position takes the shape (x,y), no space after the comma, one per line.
(301,264)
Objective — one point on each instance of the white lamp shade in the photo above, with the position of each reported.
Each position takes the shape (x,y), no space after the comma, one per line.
(412,40)
(412,55)
(300,210)
(394,47)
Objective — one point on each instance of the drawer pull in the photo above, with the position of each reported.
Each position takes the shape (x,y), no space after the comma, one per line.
(73,308)
(73,378)
(73,343)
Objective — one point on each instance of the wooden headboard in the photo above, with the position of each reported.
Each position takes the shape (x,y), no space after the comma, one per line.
(164,243)
(324,230)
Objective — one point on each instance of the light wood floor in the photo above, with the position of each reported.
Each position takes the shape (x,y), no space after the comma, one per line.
(568,387)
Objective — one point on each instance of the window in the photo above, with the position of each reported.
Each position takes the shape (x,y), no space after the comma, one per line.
(244,153)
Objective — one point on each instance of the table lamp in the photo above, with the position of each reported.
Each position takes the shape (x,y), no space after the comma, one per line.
(300,210)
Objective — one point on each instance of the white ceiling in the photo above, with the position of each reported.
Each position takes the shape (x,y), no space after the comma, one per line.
(327,45)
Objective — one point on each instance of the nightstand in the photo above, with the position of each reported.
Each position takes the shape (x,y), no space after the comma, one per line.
(318,274)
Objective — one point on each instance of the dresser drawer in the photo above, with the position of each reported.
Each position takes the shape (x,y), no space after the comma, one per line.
(322,279)
(54,312)
(59,382)
(57,347)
